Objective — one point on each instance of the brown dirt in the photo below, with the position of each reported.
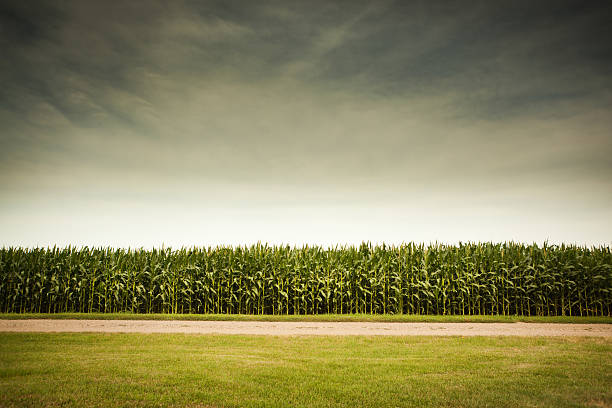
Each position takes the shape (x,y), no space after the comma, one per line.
(309,328)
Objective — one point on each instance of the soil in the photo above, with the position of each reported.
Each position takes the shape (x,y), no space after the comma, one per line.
(309,328)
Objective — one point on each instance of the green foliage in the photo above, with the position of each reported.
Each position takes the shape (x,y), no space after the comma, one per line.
(467,279)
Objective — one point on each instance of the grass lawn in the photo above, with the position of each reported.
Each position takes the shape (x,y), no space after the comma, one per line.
(313,318)
(211,370)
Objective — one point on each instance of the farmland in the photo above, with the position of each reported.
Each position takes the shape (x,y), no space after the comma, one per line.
(475,283)
(463,280)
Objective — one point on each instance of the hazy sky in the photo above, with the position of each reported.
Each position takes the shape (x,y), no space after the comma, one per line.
(144,123)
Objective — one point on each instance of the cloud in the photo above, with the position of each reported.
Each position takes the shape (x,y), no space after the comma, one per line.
(405,106)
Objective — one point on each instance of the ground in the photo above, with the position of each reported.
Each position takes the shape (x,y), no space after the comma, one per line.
(212,370)
(105,370)
(282,328)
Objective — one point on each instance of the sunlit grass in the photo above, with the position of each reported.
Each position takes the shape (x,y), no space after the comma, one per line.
(102,370)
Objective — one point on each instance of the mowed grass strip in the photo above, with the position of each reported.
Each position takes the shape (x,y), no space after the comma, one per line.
(356,317)
(104,370)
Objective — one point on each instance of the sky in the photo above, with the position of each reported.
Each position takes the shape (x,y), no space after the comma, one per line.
(204,123)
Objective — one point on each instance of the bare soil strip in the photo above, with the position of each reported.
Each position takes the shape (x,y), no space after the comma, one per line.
(309,328)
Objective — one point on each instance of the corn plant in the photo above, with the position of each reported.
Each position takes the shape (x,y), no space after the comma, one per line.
(465,279)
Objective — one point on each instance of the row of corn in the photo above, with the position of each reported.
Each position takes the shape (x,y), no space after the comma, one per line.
(464,279)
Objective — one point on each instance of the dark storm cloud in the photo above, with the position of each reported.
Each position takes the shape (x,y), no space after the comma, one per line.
(501,58)
(496,59)
(348,100)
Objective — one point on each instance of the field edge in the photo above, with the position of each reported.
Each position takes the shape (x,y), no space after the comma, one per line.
(388,318)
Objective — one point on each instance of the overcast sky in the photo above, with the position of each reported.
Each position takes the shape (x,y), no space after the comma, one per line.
(144,123)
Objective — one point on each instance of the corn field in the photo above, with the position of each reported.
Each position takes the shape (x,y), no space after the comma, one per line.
(467,279)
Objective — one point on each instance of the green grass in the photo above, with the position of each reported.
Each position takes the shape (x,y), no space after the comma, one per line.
(312,318)
(104,370)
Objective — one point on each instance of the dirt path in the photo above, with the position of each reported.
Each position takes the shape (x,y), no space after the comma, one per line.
(309,328)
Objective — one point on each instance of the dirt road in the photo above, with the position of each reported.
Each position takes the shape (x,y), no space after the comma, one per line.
(309,328)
